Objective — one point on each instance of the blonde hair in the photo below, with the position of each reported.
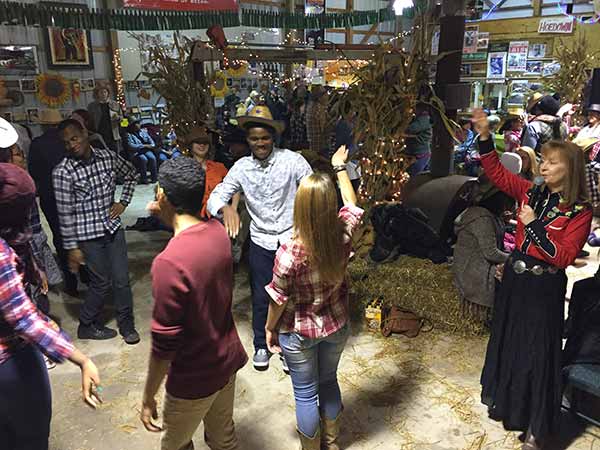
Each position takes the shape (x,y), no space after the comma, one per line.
(575,188)
(534,167)
(318,227)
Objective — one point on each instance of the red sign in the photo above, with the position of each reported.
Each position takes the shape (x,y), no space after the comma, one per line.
(184,5)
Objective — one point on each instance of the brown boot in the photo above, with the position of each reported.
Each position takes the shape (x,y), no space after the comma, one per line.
(330,431)
(307,443)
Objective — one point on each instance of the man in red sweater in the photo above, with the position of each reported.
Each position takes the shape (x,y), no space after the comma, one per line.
(194,338)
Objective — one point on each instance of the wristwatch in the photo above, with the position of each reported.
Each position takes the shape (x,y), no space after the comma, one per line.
(341,168)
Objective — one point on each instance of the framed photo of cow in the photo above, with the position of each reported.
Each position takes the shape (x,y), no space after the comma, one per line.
(69,48)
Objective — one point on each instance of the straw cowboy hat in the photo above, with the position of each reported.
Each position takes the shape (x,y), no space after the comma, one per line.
(515,112)
(586,143)
(534,100)
(8,134)
(49,117)
(260,115)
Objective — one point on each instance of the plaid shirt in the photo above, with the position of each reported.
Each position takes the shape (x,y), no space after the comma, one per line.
(20,321)
(85,192)
(314,308)
(592,170)
(316,127)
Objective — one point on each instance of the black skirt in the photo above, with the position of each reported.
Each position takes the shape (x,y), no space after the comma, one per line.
(521,379)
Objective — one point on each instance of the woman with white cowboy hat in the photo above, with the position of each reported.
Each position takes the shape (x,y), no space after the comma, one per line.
(592,129)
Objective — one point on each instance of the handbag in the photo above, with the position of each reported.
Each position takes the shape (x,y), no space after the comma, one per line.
(403,321)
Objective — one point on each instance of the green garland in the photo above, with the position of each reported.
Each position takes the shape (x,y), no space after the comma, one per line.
(76,16)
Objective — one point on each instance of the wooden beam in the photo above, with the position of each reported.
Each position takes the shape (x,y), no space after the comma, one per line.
(370,33)
(537,8)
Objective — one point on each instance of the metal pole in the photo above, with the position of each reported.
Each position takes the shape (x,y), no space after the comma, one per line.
(452,30)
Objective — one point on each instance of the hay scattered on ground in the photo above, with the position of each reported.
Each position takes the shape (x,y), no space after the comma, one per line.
(416,284)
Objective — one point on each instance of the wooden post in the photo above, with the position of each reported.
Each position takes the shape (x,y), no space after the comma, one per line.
(537,8)
(349,30)
(452,30)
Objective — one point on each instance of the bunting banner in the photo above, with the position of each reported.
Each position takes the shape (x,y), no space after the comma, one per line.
(131,19)
(183,5)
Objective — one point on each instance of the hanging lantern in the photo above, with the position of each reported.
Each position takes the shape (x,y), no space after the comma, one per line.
(53,89)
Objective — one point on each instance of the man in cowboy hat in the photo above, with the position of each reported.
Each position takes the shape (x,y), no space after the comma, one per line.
(592,129)
(269,179)
(543,123)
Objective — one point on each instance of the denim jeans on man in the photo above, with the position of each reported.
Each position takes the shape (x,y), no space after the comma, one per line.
(261,273)
(313,367)
(106,261)
(25,401)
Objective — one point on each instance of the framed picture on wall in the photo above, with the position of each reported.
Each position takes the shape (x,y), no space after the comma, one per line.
(33,115)
(19,60)
(88,84)
(28,85)
(69,48)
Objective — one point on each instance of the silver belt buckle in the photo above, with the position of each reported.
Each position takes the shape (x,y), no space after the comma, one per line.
(519,267)
(537,270)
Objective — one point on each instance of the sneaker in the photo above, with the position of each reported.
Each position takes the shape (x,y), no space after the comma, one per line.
(261,359)
(131,336)
(284,365)
(96,333)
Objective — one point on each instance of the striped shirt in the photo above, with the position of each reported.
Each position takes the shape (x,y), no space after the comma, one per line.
(85,192)
(20,321)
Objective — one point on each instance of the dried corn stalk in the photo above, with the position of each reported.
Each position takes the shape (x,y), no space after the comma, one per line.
(384,100)
(171,72)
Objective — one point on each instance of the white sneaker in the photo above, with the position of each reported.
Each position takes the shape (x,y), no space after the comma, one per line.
(261,359)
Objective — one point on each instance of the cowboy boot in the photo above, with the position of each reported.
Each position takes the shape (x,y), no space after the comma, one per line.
(307,443)
(330,432)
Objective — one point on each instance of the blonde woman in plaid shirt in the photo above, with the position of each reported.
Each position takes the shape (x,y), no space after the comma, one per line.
(308,318)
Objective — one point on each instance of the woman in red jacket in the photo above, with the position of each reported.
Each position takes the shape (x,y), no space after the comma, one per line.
(521,379)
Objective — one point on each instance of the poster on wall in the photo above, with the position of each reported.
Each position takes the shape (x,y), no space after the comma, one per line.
(517,56)
(496,69)
(18,60)
(314,37)
(483,41)
(69,48)
(470,39)
(534,68)
(537,51)
(184,5)
(550,69)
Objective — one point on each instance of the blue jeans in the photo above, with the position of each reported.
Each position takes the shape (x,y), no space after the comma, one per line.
(107,264)
(261,263)
(420,165)
(144,162)
(25,401)
(313,367)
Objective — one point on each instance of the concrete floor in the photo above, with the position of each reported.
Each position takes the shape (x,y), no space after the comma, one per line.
(399,393)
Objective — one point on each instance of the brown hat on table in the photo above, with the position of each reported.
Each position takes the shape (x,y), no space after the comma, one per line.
(260,115)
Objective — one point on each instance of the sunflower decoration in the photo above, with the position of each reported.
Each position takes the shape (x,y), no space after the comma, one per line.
(219,87)
(53,89)
(238,69)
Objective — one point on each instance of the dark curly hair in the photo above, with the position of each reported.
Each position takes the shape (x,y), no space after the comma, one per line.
(182,180)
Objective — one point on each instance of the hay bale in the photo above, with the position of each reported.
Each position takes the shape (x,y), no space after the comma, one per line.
(416,284)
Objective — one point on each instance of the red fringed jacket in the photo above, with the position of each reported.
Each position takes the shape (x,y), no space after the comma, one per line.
(558,233)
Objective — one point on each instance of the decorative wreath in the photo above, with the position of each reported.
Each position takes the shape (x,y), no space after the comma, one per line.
(219,86)
(53,89)
(237,70)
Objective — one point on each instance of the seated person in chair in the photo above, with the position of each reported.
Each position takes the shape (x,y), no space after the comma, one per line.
(144,152)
